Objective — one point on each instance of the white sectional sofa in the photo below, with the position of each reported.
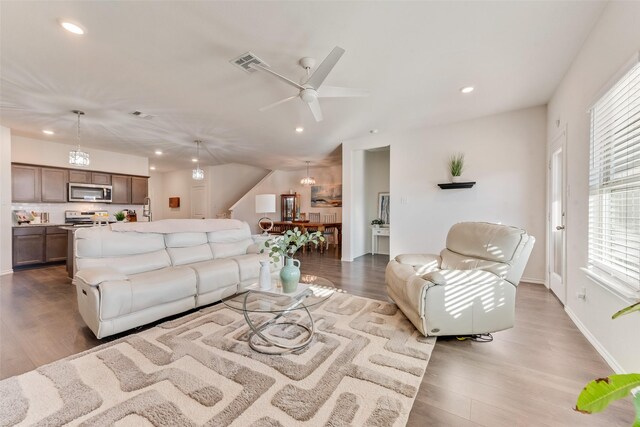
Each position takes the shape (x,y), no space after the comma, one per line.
(133,274)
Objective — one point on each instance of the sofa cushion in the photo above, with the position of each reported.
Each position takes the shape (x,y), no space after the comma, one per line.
(455,261)
(131,264)
(215,274)
(184,240)
(146,290)
(230,249)
(492,242)
(98,242)
(228,236)
(189,255)
(249,266)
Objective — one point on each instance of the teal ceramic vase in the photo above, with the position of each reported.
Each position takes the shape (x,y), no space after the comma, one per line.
(290,275)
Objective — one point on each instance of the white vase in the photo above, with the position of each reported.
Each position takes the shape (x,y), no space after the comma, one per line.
(455,179)
(264,280)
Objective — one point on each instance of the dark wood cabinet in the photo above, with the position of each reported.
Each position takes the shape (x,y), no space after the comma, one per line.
(79,177)
(121,191)
(139,189)
(39,244)
(28,246)
(100,178)
(54,185)
(55,244)
(25,183)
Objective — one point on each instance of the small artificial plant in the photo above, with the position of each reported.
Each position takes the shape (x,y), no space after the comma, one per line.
(456,164)
(599,393)
(377,221)
(119,216)
(289,243)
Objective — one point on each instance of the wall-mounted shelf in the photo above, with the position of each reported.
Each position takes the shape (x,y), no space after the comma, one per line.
(453,185)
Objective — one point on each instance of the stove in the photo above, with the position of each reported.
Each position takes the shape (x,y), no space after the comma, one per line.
(85,218)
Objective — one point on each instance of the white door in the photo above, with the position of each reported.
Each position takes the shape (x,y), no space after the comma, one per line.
(556,217)
(198,202)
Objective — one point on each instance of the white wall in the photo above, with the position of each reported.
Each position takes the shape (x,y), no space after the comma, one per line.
(49,153)
(5,201)
(376,181)
(173,184)
(230,182)
(281,182)
(505,154)
(612,42)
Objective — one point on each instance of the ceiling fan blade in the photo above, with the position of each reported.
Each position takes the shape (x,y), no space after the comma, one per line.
(282,78)
(282,101)
(315,109)
(339,92)
(325,68)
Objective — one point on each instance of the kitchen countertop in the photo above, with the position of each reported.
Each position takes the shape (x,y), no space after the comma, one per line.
(48,224)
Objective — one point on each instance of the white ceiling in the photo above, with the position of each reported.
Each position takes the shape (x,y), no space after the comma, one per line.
(171,59)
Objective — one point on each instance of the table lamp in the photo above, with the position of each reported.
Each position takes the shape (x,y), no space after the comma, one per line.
(265,204)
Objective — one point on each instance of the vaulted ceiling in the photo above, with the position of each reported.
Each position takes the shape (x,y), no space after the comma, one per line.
(171,59)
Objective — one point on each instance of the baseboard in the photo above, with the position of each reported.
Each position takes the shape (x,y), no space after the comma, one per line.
(532,280)
(594,342)
(2,273)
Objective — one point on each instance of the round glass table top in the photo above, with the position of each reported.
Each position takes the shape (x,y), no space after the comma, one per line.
(312,290)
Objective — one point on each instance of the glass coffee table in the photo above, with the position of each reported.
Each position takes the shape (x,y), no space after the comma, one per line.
(277,335)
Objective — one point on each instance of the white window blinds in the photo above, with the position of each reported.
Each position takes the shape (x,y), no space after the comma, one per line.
(614,184)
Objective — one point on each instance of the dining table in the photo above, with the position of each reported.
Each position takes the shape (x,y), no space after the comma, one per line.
(280,227)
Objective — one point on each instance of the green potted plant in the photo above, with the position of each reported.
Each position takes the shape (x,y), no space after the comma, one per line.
(286,246)
(599,393)
(119,216)
(377,223)
(456,166)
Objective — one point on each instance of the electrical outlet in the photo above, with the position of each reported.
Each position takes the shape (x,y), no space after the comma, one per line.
(403,200)
(582,294)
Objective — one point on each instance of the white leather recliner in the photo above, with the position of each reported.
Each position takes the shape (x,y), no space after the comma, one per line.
(468,289)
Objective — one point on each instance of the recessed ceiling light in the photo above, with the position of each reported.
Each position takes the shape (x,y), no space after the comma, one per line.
(373,131)
(299,129)
(72,27)
(159,152)
(194,160)
(467,89)
(152,168)
(47,132)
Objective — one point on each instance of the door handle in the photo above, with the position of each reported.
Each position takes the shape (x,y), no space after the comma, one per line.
(559,227)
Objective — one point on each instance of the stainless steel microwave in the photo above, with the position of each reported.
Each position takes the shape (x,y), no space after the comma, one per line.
(89,193)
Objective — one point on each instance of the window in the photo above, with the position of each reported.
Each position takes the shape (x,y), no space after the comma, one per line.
(614,186)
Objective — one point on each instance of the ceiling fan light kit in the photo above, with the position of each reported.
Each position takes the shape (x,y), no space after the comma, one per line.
(78,157)
(310,90)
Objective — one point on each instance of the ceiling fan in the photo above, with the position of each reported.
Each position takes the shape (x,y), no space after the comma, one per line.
(312,88)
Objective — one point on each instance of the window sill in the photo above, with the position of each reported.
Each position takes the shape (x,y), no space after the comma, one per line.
(610,284)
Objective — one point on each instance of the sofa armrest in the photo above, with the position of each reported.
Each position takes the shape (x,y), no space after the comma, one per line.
(97,275)
(461,277)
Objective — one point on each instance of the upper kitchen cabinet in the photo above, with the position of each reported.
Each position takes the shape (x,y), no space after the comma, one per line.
(139,190)
(25,183)
(100,178)
(54,185)
(121,189)
(79,177)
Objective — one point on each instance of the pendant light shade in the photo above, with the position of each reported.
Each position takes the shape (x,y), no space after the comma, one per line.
(198,174)
(308,180)
(78,157)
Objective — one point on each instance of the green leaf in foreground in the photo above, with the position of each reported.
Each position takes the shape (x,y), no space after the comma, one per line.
(627,310)
(636,403)
(598,394)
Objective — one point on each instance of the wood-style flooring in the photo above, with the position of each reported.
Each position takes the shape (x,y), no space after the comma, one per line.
(528,376)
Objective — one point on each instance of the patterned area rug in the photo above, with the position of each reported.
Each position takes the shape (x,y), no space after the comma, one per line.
(363,368)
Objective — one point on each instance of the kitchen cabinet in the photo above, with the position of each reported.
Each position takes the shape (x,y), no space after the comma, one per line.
(100,178)
(34,245)
(121,189)
(54,185)
(25,183)
(139,190)
(79,177)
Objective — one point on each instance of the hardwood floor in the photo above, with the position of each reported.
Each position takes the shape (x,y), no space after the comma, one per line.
(528,376)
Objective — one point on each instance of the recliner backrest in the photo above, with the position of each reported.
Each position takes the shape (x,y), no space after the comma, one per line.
(499,249)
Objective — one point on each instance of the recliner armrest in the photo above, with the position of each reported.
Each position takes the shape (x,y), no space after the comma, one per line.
(97,275)
(460,277)
(424,263)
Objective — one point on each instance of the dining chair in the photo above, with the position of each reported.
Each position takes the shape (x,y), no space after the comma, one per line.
(314,216)
(331,233)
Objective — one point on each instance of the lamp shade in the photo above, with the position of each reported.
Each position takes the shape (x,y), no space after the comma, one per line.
(265,203)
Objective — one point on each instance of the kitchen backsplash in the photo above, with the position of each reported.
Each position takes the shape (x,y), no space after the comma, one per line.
(56,210)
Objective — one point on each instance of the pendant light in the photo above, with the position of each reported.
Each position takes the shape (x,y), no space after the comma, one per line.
(308,180)
(78,157)
(198,174)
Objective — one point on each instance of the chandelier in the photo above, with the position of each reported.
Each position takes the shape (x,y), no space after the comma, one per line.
(198,174)
(78,157)
(308,180)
